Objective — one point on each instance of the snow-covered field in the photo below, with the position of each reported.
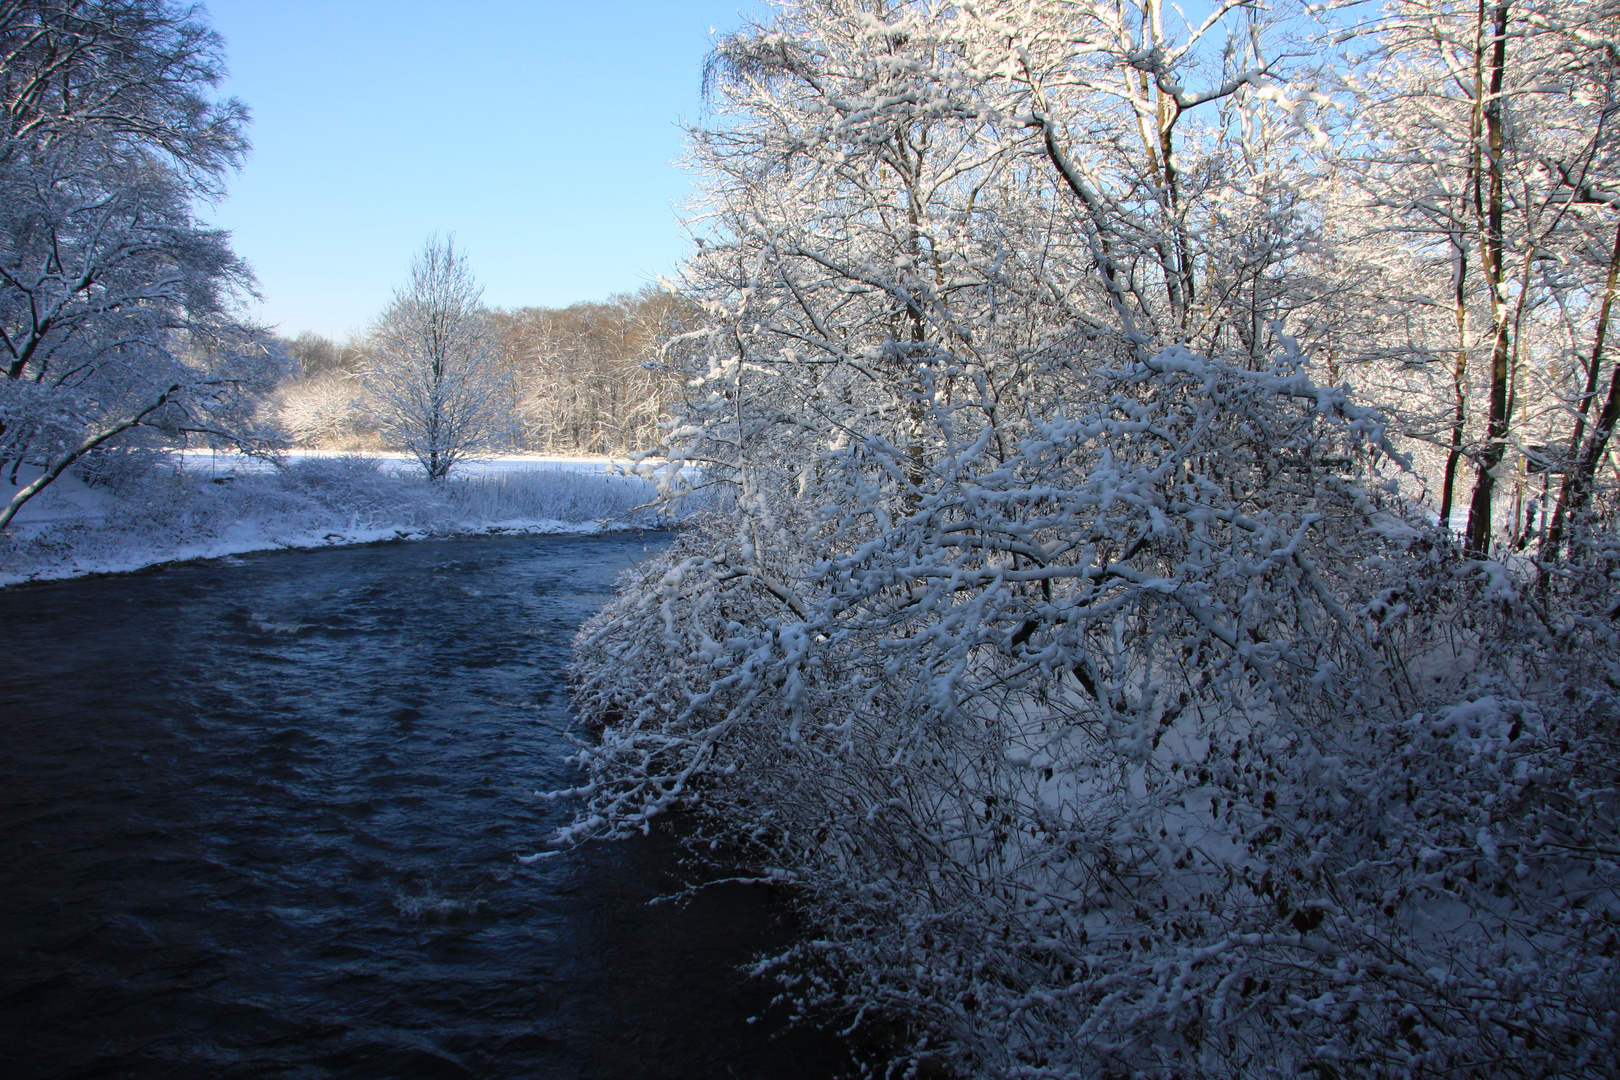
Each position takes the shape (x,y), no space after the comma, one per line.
(217,463)
(219,505)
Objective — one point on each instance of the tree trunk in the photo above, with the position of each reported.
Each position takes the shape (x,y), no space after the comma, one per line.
(1459,386)
(1572,488)
(1478,538)
(55,468)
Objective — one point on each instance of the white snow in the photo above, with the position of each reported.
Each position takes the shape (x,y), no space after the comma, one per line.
(220,462)
(215,506)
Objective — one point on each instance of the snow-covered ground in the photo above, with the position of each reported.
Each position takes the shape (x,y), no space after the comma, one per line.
(215,463)
(220,505)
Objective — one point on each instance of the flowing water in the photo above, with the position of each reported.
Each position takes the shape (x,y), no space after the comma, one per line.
(262,819)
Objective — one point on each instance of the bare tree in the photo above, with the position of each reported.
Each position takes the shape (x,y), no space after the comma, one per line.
(323,404)
(316,354)
(439,392)
(326,410)
(591,377)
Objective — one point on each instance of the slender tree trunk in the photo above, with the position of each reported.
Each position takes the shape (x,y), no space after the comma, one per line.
(1459,387)
(1478,538)
(55,468)
(1568,490)
(1585,470)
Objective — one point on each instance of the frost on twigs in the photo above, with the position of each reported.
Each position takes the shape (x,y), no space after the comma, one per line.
(1089,758)
(120,313)
(438,390)
(1074,638)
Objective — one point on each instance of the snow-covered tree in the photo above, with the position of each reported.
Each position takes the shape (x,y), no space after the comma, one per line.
(1485,144)
(323,410)
(1070,649)
(588,378)
(115,305)
(438,389)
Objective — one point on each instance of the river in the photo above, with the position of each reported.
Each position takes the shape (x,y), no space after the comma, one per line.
(261,818)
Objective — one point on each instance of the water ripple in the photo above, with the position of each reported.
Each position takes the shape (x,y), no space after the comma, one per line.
(260,820)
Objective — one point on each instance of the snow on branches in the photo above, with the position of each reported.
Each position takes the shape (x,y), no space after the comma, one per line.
(116,307)
(438,390)
(1071,649)
(1085,758)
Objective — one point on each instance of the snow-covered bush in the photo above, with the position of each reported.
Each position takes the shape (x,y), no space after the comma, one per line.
(1158,745)
(324,410)
(118,468)
(1108,707)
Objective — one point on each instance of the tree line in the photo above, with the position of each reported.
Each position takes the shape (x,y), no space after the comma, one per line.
(585,379)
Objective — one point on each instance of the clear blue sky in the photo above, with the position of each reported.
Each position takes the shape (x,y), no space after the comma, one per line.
(540,132)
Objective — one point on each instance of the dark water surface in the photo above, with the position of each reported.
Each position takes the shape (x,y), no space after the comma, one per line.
(261,820)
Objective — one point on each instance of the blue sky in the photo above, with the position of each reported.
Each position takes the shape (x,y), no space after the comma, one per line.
(541,133)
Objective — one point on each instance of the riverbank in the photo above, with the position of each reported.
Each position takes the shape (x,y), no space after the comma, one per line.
(204,509)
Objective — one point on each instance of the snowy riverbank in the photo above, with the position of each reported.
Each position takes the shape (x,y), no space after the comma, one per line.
(214,507)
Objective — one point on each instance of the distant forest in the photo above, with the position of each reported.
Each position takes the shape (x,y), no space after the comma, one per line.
(587,379)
